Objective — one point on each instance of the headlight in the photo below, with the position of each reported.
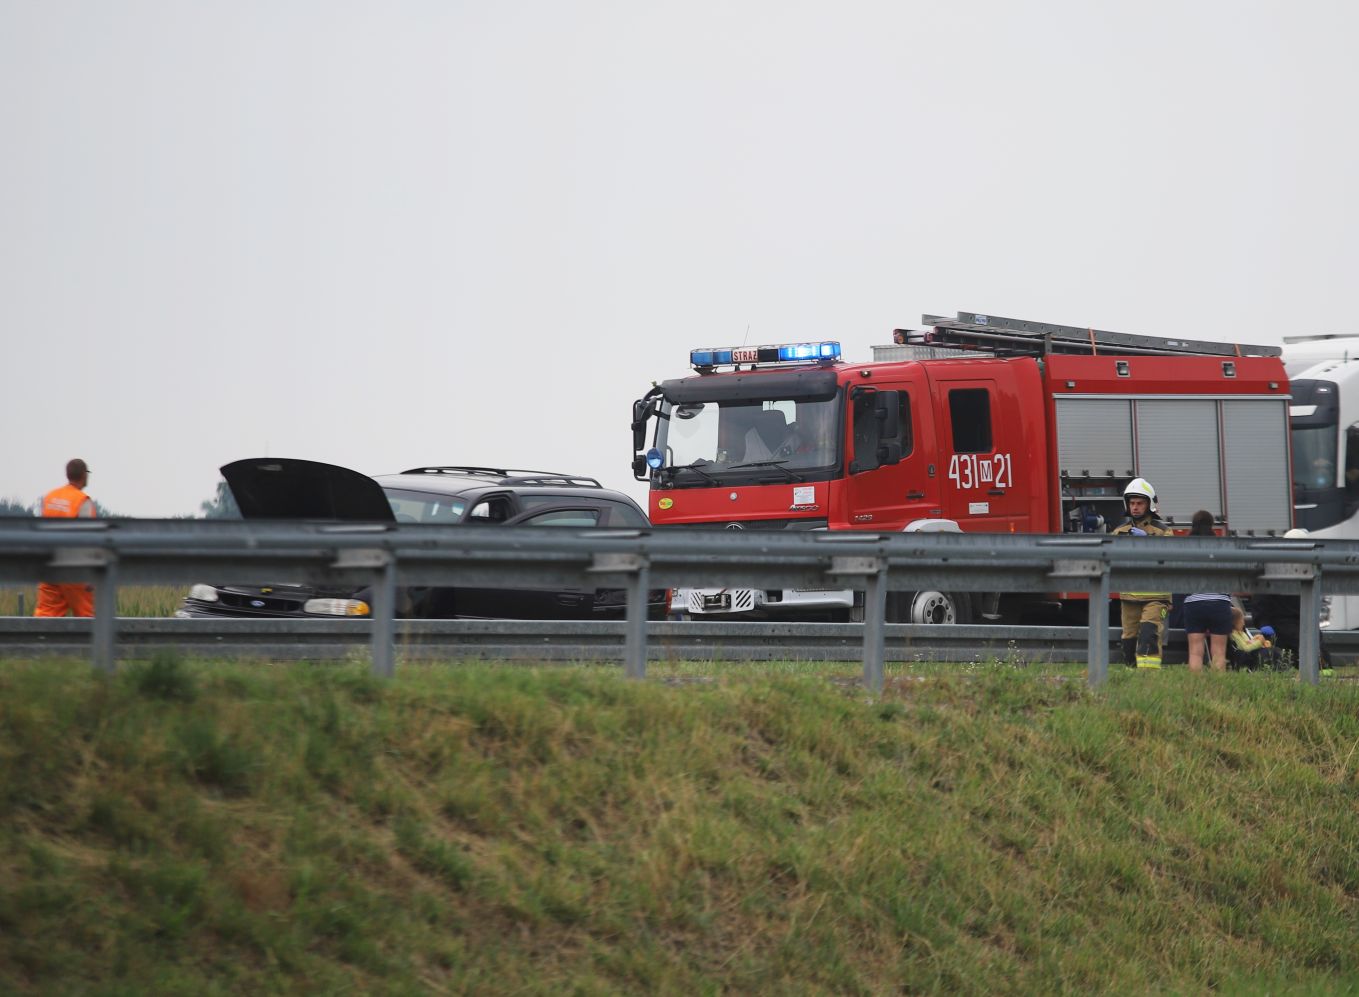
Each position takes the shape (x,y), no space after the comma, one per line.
(203,593)
(336,607)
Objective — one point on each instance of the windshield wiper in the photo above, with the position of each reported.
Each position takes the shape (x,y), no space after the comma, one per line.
(776,464)
(695,468)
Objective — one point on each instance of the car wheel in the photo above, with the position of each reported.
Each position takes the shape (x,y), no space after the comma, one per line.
(928,607)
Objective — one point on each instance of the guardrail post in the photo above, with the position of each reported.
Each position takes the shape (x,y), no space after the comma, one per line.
(104,640)
(1309,635)
(634,643)
(1095,575)
(383,607)
(1309,611)
(105,625)
(873,571)
(384,613)
(1097,650)
(636,572)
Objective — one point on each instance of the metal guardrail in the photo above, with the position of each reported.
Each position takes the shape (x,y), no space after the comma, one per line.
(547,640)
(109,553)
(574,640)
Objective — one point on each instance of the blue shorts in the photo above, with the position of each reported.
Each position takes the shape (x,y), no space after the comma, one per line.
(1212,616)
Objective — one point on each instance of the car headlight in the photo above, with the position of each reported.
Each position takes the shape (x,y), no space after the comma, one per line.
(203,593)
(337,607)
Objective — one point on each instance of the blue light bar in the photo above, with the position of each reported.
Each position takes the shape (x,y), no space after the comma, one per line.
(815,352)
(709,357)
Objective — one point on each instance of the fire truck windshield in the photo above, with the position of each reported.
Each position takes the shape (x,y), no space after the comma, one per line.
(749,438)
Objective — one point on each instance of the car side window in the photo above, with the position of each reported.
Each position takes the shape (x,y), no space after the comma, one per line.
(563,517)
(612,511)
(496,509)
(621,514)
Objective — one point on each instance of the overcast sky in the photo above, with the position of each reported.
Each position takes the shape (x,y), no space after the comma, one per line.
(391,234)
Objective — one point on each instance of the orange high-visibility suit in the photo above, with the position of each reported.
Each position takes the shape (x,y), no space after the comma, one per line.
(68,501)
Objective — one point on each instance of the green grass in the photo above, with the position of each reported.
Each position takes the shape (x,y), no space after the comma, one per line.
(216,828)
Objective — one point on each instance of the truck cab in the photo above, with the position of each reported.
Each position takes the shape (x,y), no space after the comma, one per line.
(789,438)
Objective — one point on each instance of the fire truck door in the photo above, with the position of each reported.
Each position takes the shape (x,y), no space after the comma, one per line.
(981,454)
(888,496)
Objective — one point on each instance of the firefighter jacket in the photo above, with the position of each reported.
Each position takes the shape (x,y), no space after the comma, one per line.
(1154,528)
(67,502)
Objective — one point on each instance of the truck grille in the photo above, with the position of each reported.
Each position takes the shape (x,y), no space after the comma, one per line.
(260,603)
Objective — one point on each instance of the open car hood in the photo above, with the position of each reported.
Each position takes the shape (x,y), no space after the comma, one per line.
(279,488)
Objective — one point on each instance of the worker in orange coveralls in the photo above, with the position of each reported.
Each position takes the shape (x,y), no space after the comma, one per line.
(69,502)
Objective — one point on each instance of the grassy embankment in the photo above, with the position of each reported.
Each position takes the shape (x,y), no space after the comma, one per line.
(224,828)
(133,600)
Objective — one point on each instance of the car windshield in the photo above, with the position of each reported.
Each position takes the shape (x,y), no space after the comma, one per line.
(726,435)
(425,507)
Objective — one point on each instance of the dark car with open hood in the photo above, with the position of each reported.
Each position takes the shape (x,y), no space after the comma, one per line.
(275,488)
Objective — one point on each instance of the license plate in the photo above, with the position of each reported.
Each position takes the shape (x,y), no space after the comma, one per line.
(722,601)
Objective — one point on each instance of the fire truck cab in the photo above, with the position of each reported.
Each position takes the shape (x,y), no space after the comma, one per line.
(979,424)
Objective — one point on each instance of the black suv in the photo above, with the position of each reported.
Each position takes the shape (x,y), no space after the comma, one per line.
(273,488)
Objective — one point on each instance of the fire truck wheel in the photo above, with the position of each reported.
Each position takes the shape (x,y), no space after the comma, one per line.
(928,607)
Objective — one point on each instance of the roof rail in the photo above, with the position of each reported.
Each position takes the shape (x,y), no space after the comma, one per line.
(512,476)
(560,480)
(1020,337)
(458,469)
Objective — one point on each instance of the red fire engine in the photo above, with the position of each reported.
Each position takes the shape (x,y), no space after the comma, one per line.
(981,424)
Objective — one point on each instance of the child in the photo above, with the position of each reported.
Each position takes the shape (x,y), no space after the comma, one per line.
(1250,652)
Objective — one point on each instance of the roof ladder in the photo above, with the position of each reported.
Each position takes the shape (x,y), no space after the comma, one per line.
(1019,337)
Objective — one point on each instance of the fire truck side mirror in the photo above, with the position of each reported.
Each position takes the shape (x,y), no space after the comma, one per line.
(867,429)
(887,412)
(640,410)
(639,469)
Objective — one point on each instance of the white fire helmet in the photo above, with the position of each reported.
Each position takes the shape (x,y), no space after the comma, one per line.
(1143,488)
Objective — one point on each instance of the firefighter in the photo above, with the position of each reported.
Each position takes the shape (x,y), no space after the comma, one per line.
(68,502)
(1143,613)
